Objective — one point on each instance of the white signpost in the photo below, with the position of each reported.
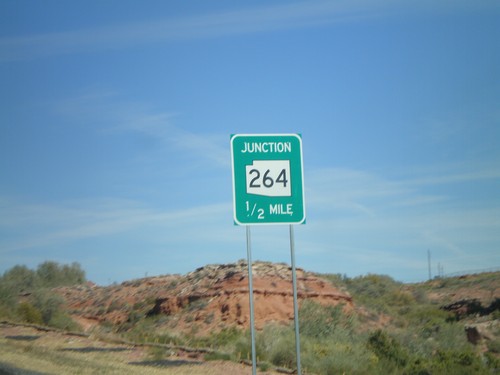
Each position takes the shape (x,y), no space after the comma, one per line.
(268,188)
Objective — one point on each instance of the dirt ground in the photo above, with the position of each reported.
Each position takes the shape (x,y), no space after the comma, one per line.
(27,351)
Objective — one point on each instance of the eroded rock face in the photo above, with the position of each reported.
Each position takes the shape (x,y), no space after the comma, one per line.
(466,307)
(212,297)
(219,294)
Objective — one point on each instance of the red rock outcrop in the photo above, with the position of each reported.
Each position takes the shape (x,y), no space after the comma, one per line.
(212,297)
(219,295)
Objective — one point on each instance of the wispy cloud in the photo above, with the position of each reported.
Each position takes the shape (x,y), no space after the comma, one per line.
(252,20)
(201,26)
(44,225)
(365,212)
(351,188)
(489,172)
(114,114)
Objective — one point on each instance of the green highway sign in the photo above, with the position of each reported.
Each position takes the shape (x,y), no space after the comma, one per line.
(268,183)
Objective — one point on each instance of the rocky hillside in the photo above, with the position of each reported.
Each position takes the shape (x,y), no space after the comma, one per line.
(369,324)
(214,297)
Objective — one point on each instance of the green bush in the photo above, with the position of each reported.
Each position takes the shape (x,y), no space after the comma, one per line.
(457,362)
(51,274)
(276,345)
(320,321)
(42,306)
(388,348)
(242,347)
(336,356)
(329,342)
(226,336)
(48,274)
(18,279)
(403,359)
(492,361)
(48,303)
(381,293)
(29,313)
(61,320)
(494,346)
(51,307)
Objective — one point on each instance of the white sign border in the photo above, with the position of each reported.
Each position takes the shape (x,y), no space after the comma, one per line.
(296,135)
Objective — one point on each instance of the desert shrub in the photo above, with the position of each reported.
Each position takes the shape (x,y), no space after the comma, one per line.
(428,321)
(263,366)
(424,340)
(144,330)
(48,303)
(61,320)
(372,286)
(52,274)
(242,348)
(399,358)
(49,306)
(329,342)
(451,336)
(320,321)
(380,292)
(29,313)
(428,314)
(283,355)
(494,345)
(336,279)
(18,279)
(7,303)
(400,298)
(226,336)
(336,356)
(388,348)
(420,295)
(276,344)
(7,312)
(492,361)
(456,362)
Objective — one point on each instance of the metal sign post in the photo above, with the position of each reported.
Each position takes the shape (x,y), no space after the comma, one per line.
(250,293)
(295,300)
(268,188)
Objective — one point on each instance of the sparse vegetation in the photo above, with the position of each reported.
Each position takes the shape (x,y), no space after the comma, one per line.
(395,328)
(26,295)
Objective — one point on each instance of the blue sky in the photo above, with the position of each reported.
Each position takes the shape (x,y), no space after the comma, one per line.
(116,116)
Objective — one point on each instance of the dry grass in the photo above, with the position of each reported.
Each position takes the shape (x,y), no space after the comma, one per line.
(54,353)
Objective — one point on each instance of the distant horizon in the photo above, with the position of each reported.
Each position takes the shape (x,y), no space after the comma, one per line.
(244,261)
